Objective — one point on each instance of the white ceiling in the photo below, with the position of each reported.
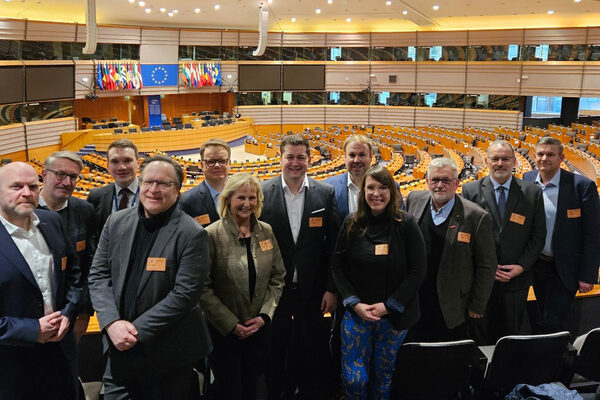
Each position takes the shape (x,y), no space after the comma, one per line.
(365,15)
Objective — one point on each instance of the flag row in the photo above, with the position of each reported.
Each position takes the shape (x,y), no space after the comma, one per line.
(194,74)
(118,76)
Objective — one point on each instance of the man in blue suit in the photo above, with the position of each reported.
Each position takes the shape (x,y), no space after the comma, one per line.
(40,290)
(571,254)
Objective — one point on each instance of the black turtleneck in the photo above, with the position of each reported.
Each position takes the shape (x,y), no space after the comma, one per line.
(145,235)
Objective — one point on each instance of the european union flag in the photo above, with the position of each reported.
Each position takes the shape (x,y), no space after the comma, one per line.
(160,74)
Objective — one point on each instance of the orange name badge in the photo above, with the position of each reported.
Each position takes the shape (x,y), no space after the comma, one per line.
(315,222)
(575,213)
(63,264)
(381,249)
(517,218)
(203,219)
(265,245)
(80,246)
(156,264)
(464,237)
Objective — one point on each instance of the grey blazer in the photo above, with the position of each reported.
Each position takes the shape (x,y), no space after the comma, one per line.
(468,264)
(170,324)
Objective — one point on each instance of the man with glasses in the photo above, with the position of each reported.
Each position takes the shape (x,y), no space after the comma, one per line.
(517,208)
(201,202)
(60,175)
(145,282)
(122,165)
(461,261)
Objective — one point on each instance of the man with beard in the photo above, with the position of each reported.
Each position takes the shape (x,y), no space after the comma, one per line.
(517,208)
(461,261)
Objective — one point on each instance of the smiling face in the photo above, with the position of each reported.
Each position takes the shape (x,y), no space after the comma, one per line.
(442,185)
(377,195)
(19,192)
(158,187)
(218,172)
(243,203)
(122,165)
(357,159)
(548,158)
(54,188)
(294,162)
(500,161)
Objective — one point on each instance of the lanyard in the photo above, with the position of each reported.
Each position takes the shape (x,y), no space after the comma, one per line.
(132,203)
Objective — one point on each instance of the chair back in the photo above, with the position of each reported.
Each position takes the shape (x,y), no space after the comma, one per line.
(586,363)
(432,370)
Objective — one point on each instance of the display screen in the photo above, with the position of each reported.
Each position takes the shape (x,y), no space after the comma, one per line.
(259,77)
(303,77)
(49,82)
(11,85)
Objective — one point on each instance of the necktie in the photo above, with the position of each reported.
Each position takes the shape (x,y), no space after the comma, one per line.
(124,202)
(501,201)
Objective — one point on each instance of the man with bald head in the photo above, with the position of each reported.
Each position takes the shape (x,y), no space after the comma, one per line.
(41,290)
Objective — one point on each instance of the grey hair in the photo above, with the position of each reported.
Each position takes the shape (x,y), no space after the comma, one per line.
(501,143)
(69,155)
(442,162)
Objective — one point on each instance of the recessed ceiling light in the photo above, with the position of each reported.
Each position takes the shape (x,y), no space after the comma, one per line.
(293,19)
(270,1)
(329,1)
(197,10)
(405,12)
(318,11)
(148,10)
(170,14)
(550,12)
(131,1)
(436,7)
(141,3)
(388,3)
(577,1)
(348,19)
(162,9)
(217,6)
(175,11)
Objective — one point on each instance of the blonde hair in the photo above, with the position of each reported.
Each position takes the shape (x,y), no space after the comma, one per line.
(234,183)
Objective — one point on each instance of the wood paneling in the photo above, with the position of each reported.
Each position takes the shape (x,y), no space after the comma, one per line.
(448,38)
(394,39)
(16,156)
(552,79)
(555,36)
(496,37)
(51,31)
(348,39)
(177,105)
(104,107)
(493,78)
(12,29)
(304,39)
(441,77)
(12,139)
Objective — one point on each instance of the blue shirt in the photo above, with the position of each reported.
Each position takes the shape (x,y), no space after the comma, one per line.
(550,194)
(442,214)
(215,196)
(506,186)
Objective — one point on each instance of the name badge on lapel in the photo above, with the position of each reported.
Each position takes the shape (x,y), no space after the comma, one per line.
(265,245)
(203,219)
(381,249)
(63,264)
(315,222)
(464,237)
(575,213)
(517,218)
(80,246)
(157,264)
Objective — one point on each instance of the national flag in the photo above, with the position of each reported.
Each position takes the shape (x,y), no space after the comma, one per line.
(99,76)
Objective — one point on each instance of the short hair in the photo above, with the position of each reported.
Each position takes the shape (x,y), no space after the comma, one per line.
(548,140)
(169,160)
(442,162)
(123,144)
(294,140)
(69,155)
(234,183)
(501,143)
(360,139)
(215,142)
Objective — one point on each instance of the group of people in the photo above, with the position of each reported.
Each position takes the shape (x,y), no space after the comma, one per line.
(243,273)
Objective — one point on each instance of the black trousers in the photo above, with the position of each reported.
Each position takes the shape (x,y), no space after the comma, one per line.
(236,364)
(553,299)
(299,353)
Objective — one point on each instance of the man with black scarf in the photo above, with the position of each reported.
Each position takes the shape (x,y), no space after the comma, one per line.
(145,281)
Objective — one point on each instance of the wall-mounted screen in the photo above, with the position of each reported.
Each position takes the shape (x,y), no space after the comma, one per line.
(259,77)
(50,82)
(11,85)
(303,77)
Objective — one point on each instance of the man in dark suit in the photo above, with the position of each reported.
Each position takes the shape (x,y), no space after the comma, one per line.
(304,218)
(461,261)
(201,201)
(517,208)
(122,165)
(39,299)
(571,254)
(60,175)
(145,283)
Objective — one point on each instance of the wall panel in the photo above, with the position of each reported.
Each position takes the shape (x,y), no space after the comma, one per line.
(441,77)
(591,79)
(402,116)
(251,39)
(12,139)
(489,119)
(164,36)
(405,76)
(48,132)
(551,79)
(493,78)
(555,36)
(346,77)
(262,115)
(347,115)
(199,38)
(444,117)
(394,39)
(12,29)
(439,38)
(348,39)
(496,37)
(303,114)
(304,39)
(50,31)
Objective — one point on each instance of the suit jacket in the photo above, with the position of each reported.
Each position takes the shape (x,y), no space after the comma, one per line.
(102,199)
(170,323)
(575,239)
(21,304)
(226,296)
(340,185)
(311,254)
(468,264)
(198,202)
(520,236)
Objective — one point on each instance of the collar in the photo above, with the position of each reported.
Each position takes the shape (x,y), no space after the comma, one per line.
(286,187)
(12,228)
(133,186)
(42,202)
(231,225)
(351,184)
(213,192)
(506,184)
(445,209)
(554,181)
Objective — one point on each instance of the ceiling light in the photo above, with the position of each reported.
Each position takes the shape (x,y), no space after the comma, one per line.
(175,11)
(131,1)
(170,14)
(197,10)
(405,12)
(293,19)
(318,11)
(162,9)
(217,6)
(329,1)
(436,7)
(550,12)
(270,1)
(141,3)
(388,3)
(148,10)
(577,1)
(85,78)
(348,19)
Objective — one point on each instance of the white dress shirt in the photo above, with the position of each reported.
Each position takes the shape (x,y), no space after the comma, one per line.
(294,204)
(353,192)
(34,249)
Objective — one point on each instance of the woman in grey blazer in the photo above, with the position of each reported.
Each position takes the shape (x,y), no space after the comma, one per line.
(243,288)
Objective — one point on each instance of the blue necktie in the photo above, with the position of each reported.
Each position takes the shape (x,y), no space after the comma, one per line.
(501,201)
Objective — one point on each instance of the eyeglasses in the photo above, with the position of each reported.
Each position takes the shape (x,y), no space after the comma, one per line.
(503,159)
(61,175)
(212,163)
(443,181)
(380,189)
(162,185)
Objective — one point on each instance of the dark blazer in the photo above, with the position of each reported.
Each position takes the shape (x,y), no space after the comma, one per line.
(170,324)
(311,254)
(198,202)
(575,240)
(468,264)
(340,185)
(21,304)
(102,199)
(520,236)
